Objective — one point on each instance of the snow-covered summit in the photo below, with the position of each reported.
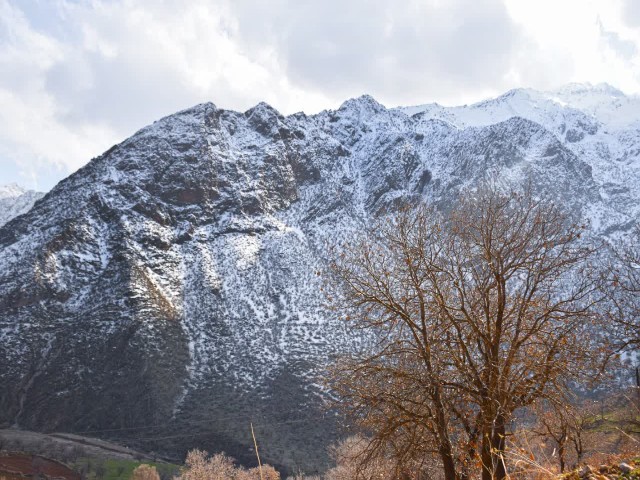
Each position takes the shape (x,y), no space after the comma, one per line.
(16,200)
(11,190)
(363,104)
(601,103)
(608,105)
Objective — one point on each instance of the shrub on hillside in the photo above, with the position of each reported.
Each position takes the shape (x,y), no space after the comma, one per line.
(199,466)
(351,463)
(145,472)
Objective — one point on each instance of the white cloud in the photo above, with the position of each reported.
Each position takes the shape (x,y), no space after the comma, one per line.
(32,140)
(576,41)
(399,52)
(78,76)
(70,93)
(631,13)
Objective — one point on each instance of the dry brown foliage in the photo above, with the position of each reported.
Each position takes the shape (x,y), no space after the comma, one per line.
(348,467)
(199,466)
(623,288)
(145,472)
(476,313)
(593,433)
(565,431)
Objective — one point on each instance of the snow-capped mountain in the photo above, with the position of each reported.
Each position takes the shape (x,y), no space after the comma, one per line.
(166,293)
(599,124)
(15,200)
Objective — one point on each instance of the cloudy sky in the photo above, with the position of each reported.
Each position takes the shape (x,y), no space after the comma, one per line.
(78,76)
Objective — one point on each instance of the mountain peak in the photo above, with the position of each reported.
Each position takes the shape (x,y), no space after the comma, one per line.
(523,94)
(16,200)
(195,109)
(363,103)
(263,109)
(585,88)
(11,190)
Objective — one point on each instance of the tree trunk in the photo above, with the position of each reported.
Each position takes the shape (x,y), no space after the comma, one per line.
(638,386)
(561,457)
(445,449)
(499,444)
(493,445)
(486,456)
(446,455)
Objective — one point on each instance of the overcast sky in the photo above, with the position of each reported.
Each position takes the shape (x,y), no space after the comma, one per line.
(78,76)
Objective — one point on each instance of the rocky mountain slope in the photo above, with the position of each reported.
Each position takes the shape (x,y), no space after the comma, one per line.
(166,293)
(15,200)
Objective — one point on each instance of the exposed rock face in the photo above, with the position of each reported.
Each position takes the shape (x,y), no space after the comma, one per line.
(166,294)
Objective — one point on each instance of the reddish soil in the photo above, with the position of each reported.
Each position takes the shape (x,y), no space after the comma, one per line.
(19,465)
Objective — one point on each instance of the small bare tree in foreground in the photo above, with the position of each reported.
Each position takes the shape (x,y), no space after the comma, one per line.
(145,472)
(566,425)
(347,467)
(199,466)
(624,290)
(476,313)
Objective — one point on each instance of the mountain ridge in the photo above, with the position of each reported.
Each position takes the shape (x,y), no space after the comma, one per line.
(172,280)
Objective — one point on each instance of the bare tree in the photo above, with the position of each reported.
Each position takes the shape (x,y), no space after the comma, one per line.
(624,290)
(566,425)
(199,466)
(474,314)
(143,472)
(347,467)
